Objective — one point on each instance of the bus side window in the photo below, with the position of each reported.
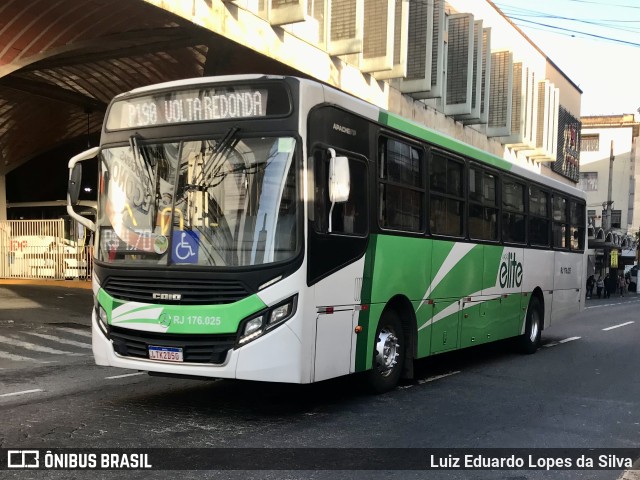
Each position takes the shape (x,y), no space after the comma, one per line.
(350,217)
(446,196)
(577,220)
(560,225)
(538,217)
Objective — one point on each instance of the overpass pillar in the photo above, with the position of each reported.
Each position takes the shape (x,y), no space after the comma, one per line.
(3,198)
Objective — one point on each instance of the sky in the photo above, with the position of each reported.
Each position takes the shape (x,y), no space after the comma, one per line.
(596,43)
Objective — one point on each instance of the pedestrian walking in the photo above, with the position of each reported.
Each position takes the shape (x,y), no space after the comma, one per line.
(621,285)
(599,286)
(590,283)
(607,286)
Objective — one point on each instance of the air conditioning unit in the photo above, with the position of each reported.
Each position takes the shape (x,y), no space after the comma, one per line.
(480,96)
(425,50)
(500,94)
(459,72)
(476,75)
(283,12)
(400,41)
(547,125)
(344,26)
(378,34)
(524,109)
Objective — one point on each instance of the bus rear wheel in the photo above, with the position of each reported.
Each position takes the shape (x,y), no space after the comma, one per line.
(388,354)
(530,341)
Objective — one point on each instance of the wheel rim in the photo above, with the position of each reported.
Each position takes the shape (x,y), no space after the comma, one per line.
(387,351)
(535,326)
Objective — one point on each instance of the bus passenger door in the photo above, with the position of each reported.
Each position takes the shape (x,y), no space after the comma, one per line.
(445,325)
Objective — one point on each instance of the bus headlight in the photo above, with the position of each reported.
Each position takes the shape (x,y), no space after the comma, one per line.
(280,314)
(254,327)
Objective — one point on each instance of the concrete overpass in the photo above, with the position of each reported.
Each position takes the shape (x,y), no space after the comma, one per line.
(61,61)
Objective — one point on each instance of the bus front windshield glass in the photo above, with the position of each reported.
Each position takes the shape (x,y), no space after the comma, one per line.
(225,202)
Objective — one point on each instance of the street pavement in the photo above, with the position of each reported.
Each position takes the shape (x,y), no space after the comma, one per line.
(44,324)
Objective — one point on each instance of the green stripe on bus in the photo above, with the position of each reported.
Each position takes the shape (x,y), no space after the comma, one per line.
(391,120)
(364,349)
(185,319)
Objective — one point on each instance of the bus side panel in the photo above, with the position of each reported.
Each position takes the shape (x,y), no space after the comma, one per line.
(402,268)
(507,266)
(567,285)
(538,268)
(458,274)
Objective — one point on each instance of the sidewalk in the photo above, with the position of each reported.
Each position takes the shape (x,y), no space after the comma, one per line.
(49,283)
(615,296)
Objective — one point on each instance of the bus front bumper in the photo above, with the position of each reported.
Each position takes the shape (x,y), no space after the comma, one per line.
(274,357)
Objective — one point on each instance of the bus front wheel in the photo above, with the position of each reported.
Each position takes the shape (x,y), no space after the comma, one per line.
(530,340)
(388,354)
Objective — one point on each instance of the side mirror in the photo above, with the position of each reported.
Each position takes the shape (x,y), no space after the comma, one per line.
(339,178)
(75,177)
(73,189)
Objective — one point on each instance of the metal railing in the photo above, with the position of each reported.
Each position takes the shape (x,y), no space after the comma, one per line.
(37,249)
(59,263)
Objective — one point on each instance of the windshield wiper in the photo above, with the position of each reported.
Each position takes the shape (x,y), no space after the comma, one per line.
(211,168)
(147,166)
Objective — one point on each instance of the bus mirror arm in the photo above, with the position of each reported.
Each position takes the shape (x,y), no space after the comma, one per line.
(73,191)
(339,182)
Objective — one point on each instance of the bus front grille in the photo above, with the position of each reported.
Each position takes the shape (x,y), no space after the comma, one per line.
(206,348)
(175,291)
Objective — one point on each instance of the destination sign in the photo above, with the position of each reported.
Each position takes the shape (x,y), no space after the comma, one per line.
(194,105)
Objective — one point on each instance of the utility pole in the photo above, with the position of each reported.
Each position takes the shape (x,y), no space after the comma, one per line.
(606,218)
(606,214)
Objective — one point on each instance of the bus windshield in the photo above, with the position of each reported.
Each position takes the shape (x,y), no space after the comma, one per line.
(225,202)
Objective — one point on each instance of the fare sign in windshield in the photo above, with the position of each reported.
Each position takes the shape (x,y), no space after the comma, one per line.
(195,105)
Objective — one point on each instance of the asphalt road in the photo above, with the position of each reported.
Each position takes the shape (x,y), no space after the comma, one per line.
(580,390)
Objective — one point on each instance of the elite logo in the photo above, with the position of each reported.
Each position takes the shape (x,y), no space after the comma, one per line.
(510,272)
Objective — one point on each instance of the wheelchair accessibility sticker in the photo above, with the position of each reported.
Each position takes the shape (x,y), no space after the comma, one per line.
(185,247)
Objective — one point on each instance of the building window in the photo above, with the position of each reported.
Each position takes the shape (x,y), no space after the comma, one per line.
(616,218)
(589,181)
(590,142)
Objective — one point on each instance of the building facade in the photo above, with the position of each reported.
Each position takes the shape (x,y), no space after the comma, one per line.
(609,162)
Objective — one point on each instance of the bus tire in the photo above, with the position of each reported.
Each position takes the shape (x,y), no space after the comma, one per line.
(529,341)
(388,354)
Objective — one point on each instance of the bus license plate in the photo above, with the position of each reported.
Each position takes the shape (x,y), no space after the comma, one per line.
(168,354)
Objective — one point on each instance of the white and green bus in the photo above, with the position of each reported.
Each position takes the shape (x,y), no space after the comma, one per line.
(274,228)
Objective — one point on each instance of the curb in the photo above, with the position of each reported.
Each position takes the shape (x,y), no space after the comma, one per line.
(632,474)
